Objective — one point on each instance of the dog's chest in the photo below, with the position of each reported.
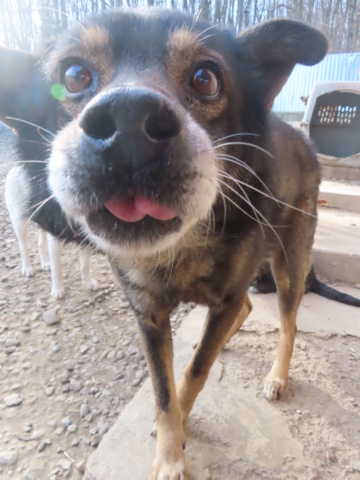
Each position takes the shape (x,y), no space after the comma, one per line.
(189,277)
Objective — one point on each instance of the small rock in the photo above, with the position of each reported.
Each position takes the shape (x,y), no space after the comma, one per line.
(51,331)
(93,431)
(75,386)
(13,400)
(84,348)
(64,327)
(88,418)
(357,285)
(134,350)
(41,446)
(54,347)
(75,442)
(80,466)
(84,410)
(8,458)
(331,455)
(124,304)
(136,382)
(120,355)
(72,428)
(65,422)
(65,464)
(95,440)
(111,355)
(70,365)
(49,391)
(12,342)
(27,427)
(35,316)
(105,392)
(94,390)
(103,428)
(50,316)
(64,377)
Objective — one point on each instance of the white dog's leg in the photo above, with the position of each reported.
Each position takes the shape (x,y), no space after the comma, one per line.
(89,282)
(57,283)
(16,204)
(44,257)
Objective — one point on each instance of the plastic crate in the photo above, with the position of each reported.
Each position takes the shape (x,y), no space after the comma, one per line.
(332,118)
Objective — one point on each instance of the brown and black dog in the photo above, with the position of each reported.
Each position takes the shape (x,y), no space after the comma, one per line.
(167,156)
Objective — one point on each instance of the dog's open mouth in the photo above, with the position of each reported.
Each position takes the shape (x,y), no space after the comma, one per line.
(134,209)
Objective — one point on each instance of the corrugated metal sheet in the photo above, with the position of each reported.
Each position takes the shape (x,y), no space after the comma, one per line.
(334,67)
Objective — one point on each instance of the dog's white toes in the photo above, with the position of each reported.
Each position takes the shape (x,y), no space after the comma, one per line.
(57,292)
(45,266)
(91,284)
(27,271)
(273,388)
(169,471)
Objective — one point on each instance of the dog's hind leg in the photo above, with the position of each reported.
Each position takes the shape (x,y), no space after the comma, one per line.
(21,227)
(16,205)
(290,272)
(219,327)
(90,283)
(42,245)
(57,283)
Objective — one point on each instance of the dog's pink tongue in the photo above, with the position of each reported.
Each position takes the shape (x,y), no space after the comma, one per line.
(135,209)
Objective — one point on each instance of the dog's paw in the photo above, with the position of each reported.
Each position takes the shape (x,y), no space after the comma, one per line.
(91,284)
(58,292)
(45,264)
(273,388)
(27,271)
(173,469)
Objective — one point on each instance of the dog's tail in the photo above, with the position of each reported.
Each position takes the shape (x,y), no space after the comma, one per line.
(314,285)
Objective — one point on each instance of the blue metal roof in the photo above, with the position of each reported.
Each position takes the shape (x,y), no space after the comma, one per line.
(334,67)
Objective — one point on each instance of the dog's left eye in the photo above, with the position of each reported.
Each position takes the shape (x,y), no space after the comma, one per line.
(77,78)
(205,82)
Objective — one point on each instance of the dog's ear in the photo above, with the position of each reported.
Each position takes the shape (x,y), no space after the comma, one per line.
(278,46)
(24,93)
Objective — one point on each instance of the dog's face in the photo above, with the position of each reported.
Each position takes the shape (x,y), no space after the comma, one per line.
(143,103)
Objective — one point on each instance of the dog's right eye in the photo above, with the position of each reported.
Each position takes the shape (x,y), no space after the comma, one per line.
(77,78)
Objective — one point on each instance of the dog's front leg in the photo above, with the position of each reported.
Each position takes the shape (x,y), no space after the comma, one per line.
(220,326)
(155,334)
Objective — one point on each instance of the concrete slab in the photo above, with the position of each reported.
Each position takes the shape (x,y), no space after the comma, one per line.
(336,248)
(232,432)
(341,195)
(316,314)
(249,435)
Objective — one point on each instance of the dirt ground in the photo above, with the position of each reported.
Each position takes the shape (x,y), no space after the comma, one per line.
(70,379)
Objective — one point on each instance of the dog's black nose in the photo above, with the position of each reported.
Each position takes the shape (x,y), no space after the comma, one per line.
(137,123)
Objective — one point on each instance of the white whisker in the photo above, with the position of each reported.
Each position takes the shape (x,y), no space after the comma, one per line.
(246,144)
(267,223)
(32,124)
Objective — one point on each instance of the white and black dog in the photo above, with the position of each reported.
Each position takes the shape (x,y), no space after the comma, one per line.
(17,194)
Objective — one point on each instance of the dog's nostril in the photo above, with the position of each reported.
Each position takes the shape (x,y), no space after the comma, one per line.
(161,125)
(99,124)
